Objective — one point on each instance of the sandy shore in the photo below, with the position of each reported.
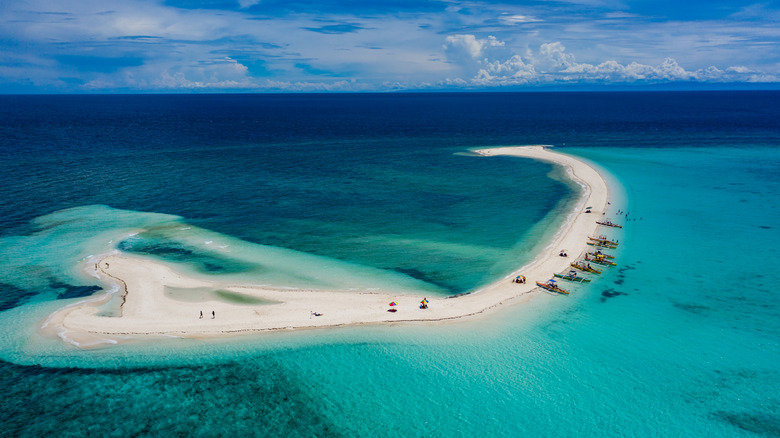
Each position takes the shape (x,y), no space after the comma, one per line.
(152,307)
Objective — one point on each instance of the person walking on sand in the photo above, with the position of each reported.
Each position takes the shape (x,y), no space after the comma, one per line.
(213,314)
(201,314)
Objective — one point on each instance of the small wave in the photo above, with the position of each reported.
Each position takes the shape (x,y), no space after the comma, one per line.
(67,339)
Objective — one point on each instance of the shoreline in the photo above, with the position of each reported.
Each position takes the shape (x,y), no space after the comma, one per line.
(150,307)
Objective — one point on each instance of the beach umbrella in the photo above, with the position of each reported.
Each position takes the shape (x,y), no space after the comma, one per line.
(393,304)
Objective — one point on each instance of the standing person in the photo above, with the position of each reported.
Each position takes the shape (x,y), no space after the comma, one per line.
(213,314)
(201,314)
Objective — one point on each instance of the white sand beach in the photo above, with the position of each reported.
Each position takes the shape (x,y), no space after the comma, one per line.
(151,305)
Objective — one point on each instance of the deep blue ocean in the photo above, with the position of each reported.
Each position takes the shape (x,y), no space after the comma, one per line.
(682,338)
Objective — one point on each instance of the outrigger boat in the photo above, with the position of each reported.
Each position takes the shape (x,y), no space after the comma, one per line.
(598,253)
(586,268)
(603,240)
(602,245)
(600,261)
(552,287)
(609,223)
(572,276)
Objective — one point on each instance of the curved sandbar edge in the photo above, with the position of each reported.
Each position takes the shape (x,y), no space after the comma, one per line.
(148,311)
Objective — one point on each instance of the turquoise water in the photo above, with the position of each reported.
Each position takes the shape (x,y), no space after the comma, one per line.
(681,339)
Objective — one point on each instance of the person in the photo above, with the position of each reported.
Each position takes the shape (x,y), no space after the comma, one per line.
(213,314)
(201,314)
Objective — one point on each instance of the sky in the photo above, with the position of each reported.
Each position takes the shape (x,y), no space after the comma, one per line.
(129,46)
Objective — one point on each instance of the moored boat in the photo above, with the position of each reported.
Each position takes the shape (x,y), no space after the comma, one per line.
(552,287)
(609,223)
(572,276)
(598,253)
(600,260)
(602,245)
(585,267)
(603,240)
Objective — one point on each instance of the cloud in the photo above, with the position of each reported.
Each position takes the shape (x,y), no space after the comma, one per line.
(218,74)
(335,28)
(516,19)
(140,45)
(98,63)
(553,64)
(469,47)
(248,3)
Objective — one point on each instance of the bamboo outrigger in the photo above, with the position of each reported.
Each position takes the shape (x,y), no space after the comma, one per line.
(552,287)
(572,276)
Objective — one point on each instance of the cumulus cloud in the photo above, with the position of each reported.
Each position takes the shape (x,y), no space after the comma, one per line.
(470,46)
(553,64)
(225,74)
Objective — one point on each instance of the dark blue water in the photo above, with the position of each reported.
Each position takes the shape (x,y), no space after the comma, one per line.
(680,340)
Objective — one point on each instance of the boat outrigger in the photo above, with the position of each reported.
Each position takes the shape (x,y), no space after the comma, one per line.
(572,276)
(600,260)
(552,287)
(585,267)
(609,223)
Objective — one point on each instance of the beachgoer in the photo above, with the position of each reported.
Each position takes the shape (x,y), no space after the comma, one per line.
(201,314)
(213,314)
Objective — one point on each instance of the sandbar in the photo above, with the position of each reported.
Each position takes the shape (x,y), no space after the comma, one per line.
(152,304)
